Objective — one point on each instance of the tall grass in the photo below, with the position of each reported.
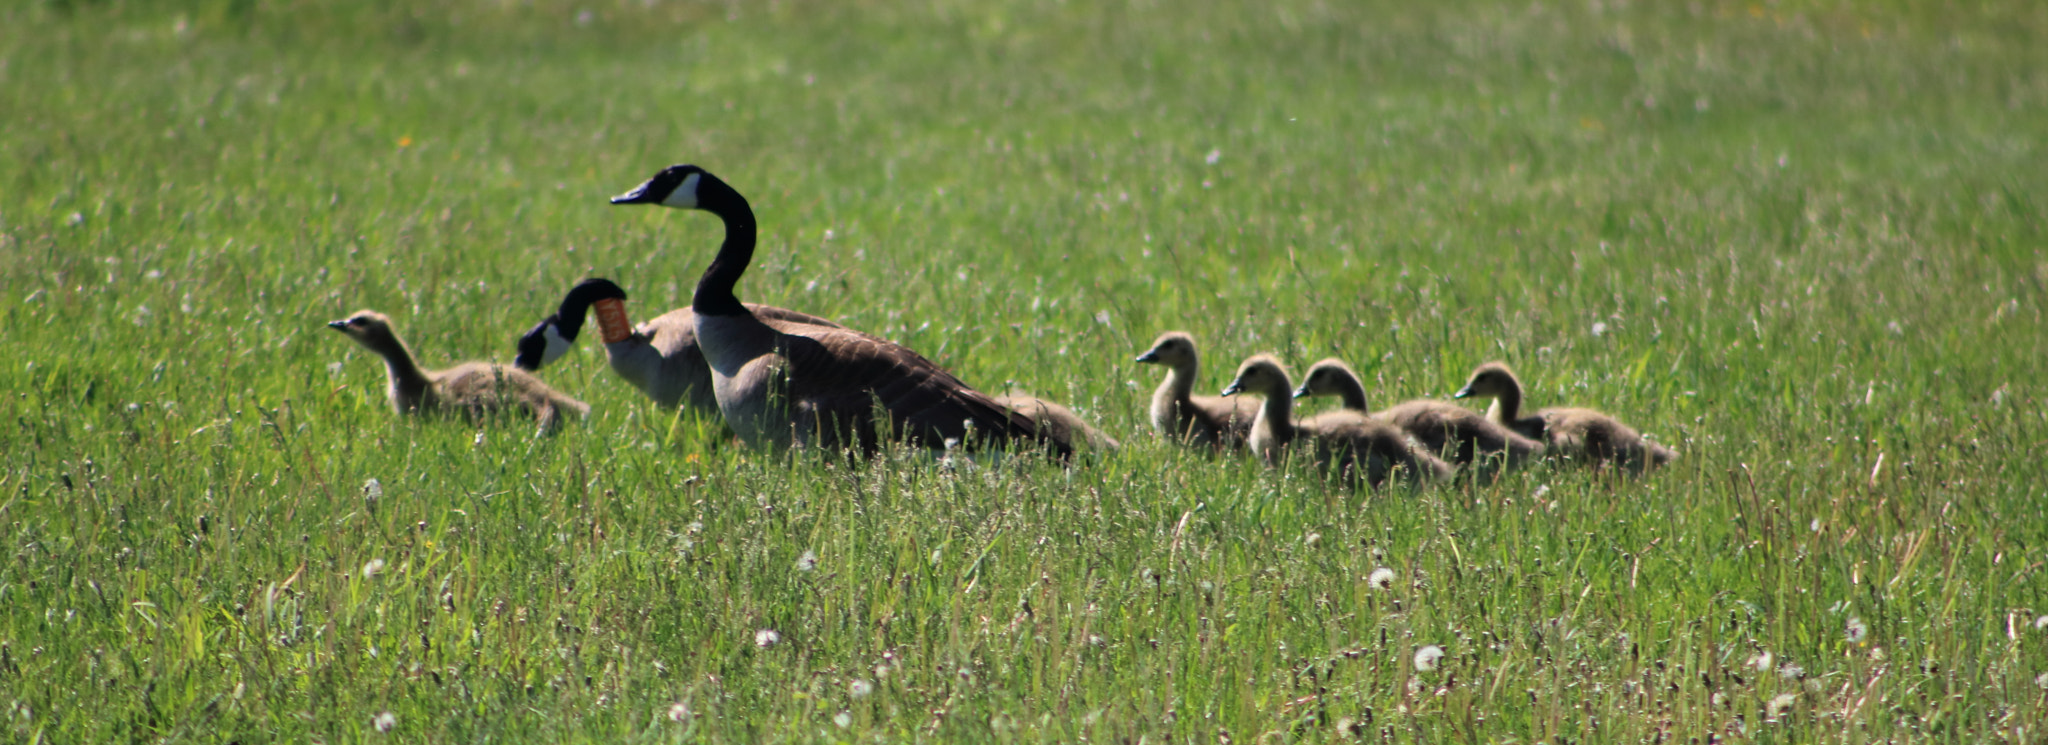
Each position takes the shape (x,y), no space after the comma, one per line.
(1798,241)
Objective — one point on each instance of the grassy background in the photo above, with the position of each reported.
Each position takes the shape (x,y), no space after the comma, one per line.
(1811,233)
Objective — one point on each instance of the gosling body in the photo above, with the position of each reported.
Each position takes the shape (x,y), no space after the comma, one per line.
(474,389)
(1181,416)
(1450,431)
(1355,447)
(1577,435)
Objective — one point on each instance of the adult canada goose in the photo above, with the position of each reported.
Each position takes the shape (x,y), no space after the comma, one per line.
(1180,415)
(1583,435)
(1452,432)
(1059,421)
(659,357)
(473,388)
(818,386)
(1355,446)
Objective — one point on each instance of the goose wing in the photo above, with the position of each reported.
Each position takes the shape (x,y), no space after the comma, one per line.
(840,376)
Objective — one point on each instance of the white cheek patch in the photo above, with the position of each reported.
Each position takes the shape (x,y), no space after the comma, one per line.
(685,195)
(557,346)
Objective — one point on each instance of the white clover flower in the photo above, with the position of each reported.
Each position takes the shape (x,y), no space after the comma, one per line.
(860,688)
(385,721)
(766,638)
(679,712)
(372,567)
(1781,704)
(1427,657)
(844,719)
(807,562)
(1855,630)
(1381,579)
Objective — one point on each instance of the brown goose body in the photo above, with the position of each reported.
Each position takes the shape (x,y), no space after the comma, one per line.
(1580,435)
(1353,446)
(1178,414)
(1453,432)
(1060,421)
(784,384)
(471,388)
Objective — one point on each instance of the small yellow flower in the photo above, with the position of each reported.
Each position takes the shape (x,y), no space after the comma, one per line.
(405,141)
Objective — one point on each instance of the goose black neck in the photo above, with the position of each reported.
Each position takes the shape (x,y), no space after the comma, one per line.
(714,294)
(1510,401)
(1352,391)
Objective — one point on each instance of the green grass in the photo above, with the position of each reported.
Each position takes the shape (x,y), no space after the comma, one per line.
(1813,232)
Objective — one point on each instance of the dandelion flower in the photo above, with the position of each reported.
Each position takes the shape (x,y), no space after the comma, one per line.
(1599,329)
(1781,704)
(372,567)
(1427,657)
(1761,661)
(385,721)
(1790,671)
(844,719)
(1381,579)
(807,562)
(860,688)
(1855,630)
(766,638)
(679,712)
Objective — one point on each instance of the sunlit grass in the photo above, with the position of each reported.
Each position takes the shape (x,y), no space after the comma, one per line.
(1800,242)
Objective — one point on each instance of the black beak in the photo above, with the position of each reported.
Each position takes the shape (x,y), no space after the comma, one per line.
(1149,356)
(637,196)
(340,325)
(1465,392)
(1233,389)
(1302,392)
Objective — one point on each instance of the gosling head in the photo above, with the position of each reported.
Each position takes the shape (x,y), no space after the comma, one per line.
(1261,374)
(1491,380)
(368,327)
(684,187)
(1172,349)
(1325,379)
(551,338)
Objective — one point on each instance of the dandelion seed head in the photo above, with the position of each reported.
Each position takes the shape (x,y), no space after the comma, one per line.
(372,567)
(1855,630)
(766,638)
(2041,681)
(385,721)
(2041,623)
(1761,661)
(843,719)
(1381,579)
(1215,155)
(807,562)
(1599,328)
(1790,671)
(1781,704)
(1427,657)
(860,688)
(1313,539)
(678,712)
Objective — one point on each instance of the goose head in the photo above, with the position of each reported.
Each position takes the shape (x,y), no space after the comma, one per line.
(1174,349)
(368,328)
(550,339)
(1261,374)
(1492,379)
(1325,378)
(684,187)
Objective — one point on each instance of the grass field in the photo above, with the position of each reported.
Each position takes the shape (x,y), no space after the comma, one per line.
(1802,242)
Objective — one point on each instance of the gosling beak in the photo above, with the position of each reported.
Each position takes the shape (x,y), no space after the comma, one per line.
(637,196)
(341,325)
(1302,392)
(1465,392)
(1150,355)
(1233,389)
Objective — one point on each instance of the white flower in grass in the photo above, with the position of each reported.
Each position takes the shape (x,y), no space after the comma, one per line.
(2041,681)
(2041,623)
(1781,705)
(1790,671)
(385,721)
(766,638)
(372,568)
(807,562)
(1427,657)
(1855,630)
(1761,661)
(678,712)
(860,689)
(844,719)
(1381,579)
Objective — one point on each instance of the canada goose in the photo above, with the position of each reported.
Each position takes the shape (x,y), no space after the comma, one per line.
(1452,432)
(1059,421)
(1178,414)
(659,357)
(1584,435)
(473,388)
(817,386)
(1355,446)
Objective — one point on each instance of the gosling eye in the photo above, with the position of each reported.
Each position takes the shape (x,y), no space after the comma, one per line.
(359,322)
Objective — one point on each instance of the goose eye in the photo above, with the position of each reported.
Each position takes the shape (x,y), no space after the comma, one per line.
(359,322)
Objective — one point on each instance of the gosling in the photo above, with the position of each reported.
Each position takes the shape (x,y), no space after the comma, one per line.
(1354,446)
(474,389)
(1580,435)
(1181,416)
(1448,430)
